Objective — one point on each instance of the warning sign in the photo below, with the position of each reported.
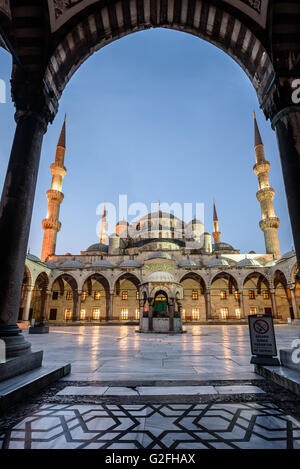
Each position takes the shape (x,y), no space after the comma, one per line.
(262,335)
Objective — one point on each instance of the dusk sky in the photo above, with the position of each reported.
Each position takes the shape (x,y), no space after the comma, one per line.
(157,115)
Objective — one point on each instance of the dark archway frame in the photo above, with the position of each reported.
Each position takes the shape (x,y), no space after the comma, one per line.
(39,78)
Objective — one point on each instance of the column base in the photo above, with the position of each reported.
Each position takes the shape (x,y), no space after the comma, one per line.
(39,330)
(15,343)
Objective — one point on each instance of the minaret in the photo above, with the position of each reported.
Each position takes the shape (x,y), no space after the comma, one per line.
(103,232)
(51,225)
(216,233)
(265,195)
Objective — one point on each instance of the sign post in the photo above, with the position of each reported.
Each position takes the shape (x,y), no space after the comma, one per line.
(262,338)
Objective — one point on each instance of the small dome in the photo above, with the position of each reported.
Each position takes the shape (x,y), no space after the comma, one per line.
(130,263)
(33,258)
(222,247)
(288,255)
(188,263)
(50,266)
(98,247)
(248,263)
(103,263)
(159,255)
(72,264)
(161,277)
(217,262)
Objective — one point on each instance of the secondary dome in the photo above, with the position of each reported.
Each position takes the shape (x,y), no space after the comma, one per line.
(161,276)
(130,263)
(103,263)
(159,255)
(222,247)
(50,266)
(248,263)
(72,264)
(288,255)
(188,263)
(31,257)
(98,247)
(218,263)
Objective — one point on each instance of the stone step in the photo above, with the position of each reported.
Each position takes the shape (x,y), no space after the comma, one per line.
(285,377)
(16,389)
(158,390)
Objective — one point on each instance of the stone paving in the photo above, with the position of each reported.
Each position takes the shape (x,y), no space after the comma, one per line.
(119,353)
(155,426)
(130,391)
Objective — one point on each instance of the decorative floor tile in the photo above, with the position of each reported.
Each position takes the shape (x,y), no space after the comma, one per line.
(157,426)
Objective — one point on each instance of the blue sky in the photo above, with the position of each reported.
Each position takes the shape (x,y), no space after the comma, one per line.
(159,114)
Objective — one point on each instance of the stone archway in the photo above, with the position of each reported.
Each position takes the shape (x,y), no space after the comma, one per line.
(41,72)
(126,298)
(64,304)
(257,295)
(207,21)
(283,299)
(40,299)
(194,305)
(95,298)
(225,297)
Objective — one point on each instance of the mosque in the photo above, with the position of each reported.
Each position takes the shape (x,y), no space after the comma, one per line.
(160,267)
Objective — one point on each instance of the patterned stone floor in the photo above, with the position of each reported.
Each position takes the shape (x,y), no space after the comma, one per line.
(155,426)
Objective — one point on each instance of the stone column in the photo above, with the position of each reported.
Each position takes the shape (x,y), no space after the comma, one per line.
(45,308)
(150,314)
(15,217)
(171,315)
(29,291)
(287,126)
(273,301)
(207,304)
(111,306)
(294,303)
(242,307)
(76,305)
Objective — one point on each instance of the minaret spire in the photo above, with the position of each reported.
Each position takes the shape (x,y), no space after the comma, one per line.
(265,195)
(216,233)
(51,224)
(103,232)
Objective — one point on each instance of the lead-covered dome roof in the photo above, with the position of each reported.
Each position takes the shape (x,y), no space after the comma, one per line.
(98,247)
(72,264)
(160,255)
(130,263)
(248,263)
(103,263)
(218,262)
(161,276)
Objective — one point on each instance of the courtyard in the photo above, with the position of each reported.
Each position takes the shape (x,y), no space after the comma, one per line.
(128,390)
(120,353)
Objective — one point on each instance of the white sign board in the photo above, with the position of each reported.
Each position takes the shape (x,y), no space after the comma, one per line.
(262,335)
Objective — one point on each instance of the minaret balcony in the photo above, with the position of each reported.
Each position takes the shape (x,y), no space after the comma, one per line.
(52,194)
(265,194)
(271,222)
(51,224)
(57,170)
(261,168)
